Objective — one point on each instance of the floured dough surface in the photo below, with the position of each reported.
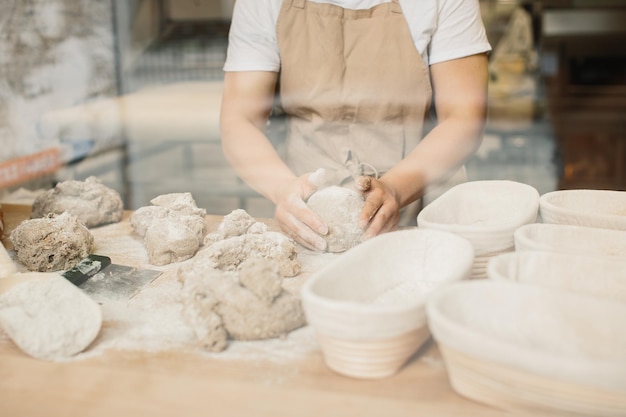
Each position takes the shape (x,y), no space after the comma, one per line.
(246,304)
(339,208)
(53,243)
(240,237)
(91,201)
(48,317)
(173,228)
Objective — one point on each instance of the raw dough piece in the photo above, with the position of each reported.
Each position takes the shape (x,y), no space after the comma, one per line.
(53,243)
(48,317)
(173,228)
(340,208)
(239,237)
(235,224)
(228,254)
(219,304)
(91,201)
(262,277)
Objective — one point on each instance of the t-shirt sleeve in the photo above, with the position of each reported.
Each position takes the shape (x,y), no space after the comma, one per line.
(252,43)
(459,31)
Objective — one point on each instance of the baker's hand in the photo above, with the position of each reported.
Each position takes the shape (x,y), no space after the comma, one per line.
(295,218)
(381,212)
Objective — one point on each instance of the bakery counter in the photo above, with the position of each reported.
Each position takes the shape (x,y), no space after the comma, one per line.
(144,363)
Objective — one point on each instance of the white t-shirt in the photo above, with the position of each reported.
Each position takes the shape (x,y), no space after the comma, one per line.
(441,29)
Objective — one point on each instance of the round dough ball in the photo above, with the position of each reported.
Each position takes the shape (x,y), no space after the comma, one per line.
(170,241)
(92,202)
(53,243)
(48,317)
(340,208)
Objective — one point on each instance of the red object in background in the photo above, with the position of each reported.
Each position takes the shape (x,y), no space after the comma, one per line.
(25,168)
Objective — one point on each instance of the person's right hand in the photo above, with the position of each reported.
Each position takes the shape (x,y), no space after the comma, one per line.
(295,218)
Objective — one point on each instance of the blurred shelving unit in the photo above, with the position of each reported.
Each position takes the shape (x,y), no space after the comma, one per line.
(583,67)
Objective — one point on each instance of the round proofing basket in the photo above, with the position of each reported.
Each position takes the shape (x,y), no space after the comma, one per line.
(571,239)
(484,212)
(592,275)
(532,349)
(367,306)
(595,208)
(479,267)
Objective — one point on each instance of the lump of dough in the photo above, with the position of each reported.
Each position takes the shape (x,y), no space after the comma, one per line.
(240,237)
(218,305)
(229,253)
(262,278)
(53,243)
(173,228)
(91,201)
(170,241)
(182,203)
(235,224)
(199,310)
(47,317)
(339,208)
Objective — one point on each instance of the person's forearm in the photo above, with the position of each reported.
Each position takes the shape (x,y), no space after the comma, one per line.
(246,105)
(438,156)
(460,89)
(254,158)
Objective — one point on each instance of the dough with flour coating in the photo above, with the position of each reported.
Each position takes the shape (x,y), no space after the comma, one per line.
(173,228)
(339,208)
(47,317)
(53,243)
(247,304)
(92,202)
(240,237)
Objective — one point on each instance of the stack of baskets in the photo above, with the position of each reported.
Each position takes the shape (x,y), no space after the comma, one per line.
(486,213)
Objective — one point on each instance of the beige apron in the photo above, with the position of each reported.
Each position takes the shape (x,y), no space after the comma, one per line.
(355,88)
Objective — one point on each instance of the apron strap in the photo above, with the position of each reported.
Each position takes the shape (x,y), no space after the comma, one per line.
(394,7)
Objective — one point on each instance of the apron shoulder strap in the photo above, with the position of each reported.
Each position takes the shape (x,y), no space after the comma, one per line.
(395,6)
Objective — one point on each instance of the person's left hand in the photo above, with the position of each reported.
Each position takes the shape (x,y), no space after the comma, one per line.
(381,212)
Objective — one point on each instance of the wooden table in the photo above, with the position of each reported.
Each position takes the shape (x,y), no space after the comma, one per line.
(185,383)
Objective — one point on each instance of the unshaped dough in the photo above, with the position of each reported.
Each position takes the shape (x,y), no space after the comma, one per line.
(218,305)
(91,201)
(235,224)
(339,208)
(173,228)
(239,237)
(170,241)
(53,243)
(229,253)
(48,317)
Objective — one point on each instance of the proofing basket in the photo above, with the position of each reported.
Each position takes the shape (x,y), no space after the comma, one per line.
(530,349)
(367,307)
(594,208)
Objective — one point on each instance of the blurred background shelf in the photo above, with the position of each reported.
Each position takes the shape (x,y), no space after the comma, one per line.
(556,97)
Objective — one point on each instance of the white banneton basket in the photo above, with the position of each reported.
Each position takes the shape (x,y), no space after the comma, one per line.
(532,349)
(591,275)
(595,208)
(367,307)
(484,212)
(571,239)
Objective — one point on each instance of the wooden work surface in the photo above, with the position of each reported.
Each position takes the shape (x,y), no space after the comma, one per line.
(184,382)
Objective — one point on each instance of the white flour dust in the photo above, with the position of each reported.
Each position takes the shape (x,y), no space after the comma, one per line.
(406,293)
(152,321)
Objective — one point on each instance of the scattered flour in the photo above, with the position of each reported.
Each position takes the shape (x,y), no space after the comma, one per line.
(152,321)
(406,293)
(48,317)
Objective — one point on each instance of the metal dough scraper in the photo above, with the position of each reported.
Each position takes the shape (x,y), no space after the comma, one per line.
(103,280)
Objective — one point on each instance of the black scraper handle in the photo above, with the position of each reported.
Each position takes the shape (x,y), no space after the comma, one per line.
(87,268)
